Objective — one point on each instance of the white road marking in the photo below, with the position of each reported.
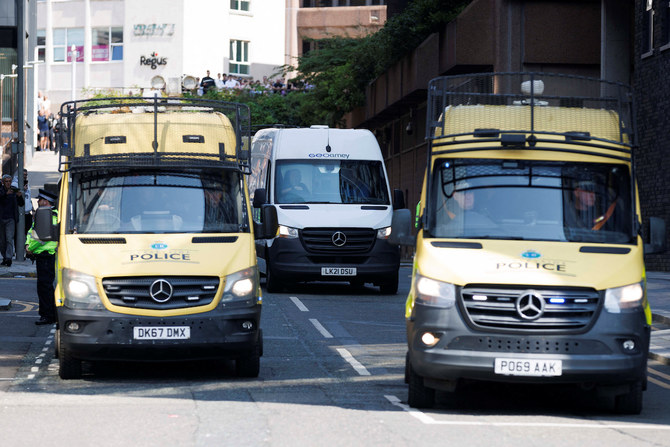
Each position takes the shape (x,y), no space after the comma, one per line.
(320,328)
(360,369)
(426,419)
(299,304)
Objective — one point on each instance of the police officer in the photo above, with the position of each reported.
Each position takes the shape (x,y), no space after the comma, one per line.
(44,254)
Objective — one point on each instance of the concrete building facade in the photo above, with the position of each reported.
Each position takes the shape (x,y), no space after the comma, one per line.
(123,44)
(652,94)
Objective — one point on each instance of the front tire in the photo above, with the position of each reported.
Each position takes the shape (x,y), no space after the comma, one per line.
(68,366)
(419,395)
(272,283)
(631,402)
(249,366)
(390,286)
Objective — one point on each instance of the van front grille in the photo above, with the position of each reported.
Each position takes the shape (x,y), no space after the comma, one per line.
(326,240)
(530,309)
(169,292)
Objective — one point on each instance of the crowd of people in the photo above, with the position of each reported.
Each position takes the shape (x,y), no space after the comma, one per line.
(46,124)
(230,82)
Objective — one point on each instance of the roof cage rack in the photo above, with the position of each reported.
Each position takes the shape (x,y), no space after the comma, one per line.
(157,132)
(592,115)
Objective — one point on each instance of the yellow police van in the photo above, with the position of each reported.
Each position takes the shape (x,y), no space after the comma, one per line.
(156,257)
(529,253)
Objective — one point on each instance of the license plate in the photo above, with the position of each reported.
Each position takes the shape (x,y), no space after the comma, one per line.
(523,367)
(161,333)
(338,271)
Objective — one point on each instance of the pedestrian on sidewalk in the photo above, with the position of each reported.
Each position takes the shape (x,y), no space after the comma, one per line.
(44,254)
(11,198)
(26,198)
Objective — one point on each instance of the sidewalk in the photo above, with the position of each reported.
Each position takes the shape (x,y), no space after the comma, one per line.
(44,169)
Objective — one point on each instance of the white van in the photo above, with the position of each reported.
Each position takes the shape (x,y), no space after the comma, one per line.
(334,207)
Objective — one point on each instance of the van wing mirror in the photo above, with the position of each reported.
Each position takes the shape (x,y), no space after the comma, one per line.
(259,198)
(401,228)
(267,228)
(656,236)
(44,227)
(398,199)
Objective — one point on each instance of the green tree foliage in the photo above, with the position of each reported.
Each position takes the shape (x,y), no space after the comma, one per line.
(341,68)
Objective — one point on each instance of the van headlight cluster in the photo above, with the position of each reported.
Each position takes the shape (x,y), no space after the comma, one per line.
(625,298)
(430,292)
(241,286)
(287,232)
(80,290)
(384,233)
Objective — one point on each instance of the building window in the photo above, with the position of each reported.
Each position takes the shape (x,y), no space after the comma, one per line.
(239,57)
(41,44)
(239,5)
(666,22)
(63,40)
(107,44)
(648,27)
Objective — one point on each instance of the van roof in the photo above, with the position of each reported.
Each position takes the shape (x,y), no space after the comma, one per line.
(177,132)
(597,123)
(322,143)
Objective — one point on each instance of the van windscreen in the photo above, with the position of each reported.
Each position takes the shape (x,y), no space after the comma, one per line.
(331,181)
(159,202)
(531,200)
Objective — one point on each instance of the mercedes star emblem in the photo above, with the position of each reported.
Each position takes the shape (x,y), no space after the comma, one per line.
(339,239)
(530,305)
(160,290)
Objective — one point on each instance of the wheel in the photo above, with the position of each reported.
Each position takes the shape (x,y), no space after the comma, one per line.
(57,343)
(419,395)
(390,287)
(631,402)
(407,367)
(272,283)
(68,366)
(250,365)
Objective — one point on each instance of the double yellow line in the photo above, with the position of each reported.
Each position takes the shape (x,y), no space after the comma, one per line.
(663,379)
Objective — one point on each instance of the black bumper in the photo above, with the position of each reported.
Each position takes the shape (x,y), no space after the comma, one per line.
(290,261)
(595,356)
(105,335)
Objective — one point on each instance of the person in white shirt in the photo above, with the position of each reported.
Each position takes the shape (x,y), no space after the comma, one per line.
(218,81)
(231,82)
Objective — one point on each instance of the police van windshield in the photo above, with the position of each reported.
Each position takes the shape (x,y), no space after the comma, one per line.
(159,202)
(531,200)
(331,181)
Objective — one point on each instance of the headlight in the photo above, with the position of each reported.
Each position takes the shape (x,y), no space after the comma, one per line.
(241,286)
(384,233)
(430,292)
(80,290)
(619,299)
(288,232)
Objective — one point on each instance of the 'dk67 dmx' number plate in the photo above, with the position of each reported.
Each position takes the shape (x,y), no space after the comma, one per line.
(161,333)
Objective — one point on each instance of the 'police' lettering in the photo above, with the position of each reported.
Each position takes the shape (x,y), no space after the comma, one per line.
(161,257)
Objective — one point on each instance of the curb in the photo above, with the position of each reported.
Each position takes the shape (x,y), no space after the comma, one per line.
(659,358)
(660,318)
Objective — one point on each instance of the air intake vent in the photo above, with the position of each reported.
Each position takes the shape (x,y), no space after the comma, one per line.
(214,239)
(102,240)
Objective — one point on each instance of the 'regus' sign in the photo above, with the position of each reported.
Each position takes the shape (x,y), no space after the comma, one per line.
(153,61)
